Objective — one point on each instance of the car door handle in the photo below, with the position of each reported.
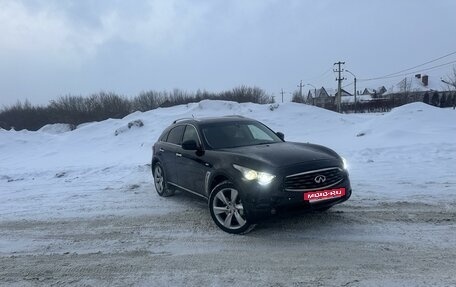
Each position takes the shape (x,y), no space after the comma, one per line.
(178,154)
(162,150)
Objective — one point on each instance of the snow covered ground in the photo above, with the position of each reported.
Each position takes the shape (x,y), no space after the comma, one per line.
(79,207)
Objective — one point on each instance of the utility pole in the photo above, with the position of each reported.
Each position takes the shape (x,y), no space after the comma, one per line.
(300,89)
(339,83)
(282,92)
(355,94)
(354,81)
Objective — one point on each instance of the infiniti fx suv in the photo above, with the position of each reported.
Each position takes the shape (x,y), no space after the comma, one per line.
(246,171)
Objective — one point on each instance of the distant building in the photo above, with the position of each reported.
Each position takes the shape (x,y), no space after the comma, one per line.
(374,92)
(320,98)
(326,98)
(344,93)
(416,83)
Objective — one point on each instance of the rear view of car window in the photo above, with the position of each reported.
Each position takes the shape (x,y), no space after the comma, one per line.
(175,135)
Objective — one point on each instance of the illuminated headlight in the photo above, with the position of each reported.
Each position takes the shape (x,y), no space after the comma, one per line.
(262,178)
(345,163)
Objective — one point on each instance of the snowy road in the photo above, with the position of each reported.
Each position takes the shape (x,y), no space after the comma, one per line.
(79,208)
(359,243)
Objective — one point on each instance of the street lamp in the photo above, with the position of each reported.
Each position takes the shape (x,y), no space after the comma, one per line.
(354,85)
(315,93)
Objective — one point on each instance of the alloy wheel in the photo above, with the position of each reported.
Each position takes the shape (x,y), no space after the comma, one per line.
(228,208)
(158,178)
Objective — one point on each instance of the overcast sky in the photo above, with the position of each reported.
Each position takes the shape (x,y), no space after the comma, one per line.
(53,48)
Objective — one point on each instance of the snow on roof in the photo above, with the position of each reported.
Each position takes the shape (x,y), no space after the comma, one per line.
(359,98)
(415,84)
(319,91)
(330,91)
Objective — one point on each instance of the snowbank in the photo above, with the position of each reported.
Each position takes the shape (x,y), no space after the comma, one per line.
(402,155)
(56,128)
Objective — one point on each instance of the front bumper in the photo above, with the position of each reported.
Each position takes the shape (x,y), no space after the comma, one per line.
(261,201)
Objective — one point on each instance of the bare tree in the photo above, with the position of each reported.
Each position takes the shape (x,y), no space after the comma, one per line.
(450,79)
(405,85)
(297,97)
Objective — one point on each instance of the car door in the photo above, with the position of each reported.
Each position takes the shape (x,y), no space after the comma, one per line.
(191,165)
(169,149)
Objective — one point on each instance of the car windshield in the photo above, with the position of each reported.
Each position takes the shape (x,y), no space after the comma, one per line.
(236,134)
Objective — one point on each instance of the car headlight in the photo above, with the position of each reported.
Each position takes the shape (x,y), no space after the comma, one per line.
(262,178)
(345,163)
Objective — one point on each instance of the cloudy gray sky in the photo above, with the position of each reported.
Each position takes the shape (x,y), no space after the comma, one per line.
(56,47)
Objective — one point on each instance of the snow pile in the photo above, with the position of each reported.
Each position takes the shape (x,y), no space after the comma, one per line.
(407,154)
(132,124)
(56,128)
(413,123)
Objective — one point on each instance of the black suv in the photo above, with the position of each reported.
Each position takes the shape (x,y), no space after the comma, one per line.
(245,170)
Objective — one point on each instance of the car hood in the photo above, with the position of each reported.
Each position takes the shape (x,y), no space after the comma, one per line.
(285,153)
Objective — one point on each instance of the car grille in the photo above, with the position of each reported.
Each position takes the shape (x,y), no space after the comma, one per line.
(306,181)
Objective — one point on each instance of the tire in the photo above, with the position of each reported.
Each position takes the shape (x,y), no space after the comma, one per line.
(227,210)
(160,181)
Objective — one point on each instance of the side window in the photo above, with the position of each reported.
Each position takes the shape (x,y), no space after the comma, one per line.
(164,136)
(190,134)
(175,135)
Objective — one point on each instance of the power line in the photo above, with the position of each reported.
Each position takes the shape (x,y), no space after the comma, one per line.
(392,75)
(318,77)
(348,85)
(406,74)
(420,65)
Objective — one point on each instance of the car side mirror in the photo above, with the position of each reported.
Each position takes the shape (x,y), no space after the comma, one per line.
(280,135)
(190,145)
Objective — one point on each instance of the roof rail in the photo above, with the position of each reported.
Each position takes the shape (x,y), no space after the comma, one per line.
(182,119)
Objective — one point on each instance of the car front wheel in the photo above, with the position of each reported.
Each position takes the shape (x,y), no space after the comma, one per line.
(227,210)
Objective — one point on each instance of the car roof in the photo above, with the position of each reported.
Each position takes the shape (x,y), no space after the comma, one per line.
(210,120)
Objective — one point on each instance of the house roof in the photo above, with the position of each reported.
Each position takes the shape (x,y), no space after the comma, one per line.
(320,92)
(359,98)
(329,91)
(415,84)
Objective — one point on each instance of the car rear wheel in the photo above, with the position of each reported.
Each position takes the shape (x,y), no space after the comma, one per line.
(160,181)
(227,210)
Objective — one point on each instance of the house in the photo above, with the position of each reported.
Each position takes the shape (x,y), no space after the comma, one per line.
(419,88)
(360,98)
(344,93)
(326,97)
(416,83)
(374,92)
(320,98)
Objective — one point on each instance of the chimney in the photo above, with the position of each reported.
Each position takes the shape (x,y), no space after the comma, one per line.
(418,76)
(425,80)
